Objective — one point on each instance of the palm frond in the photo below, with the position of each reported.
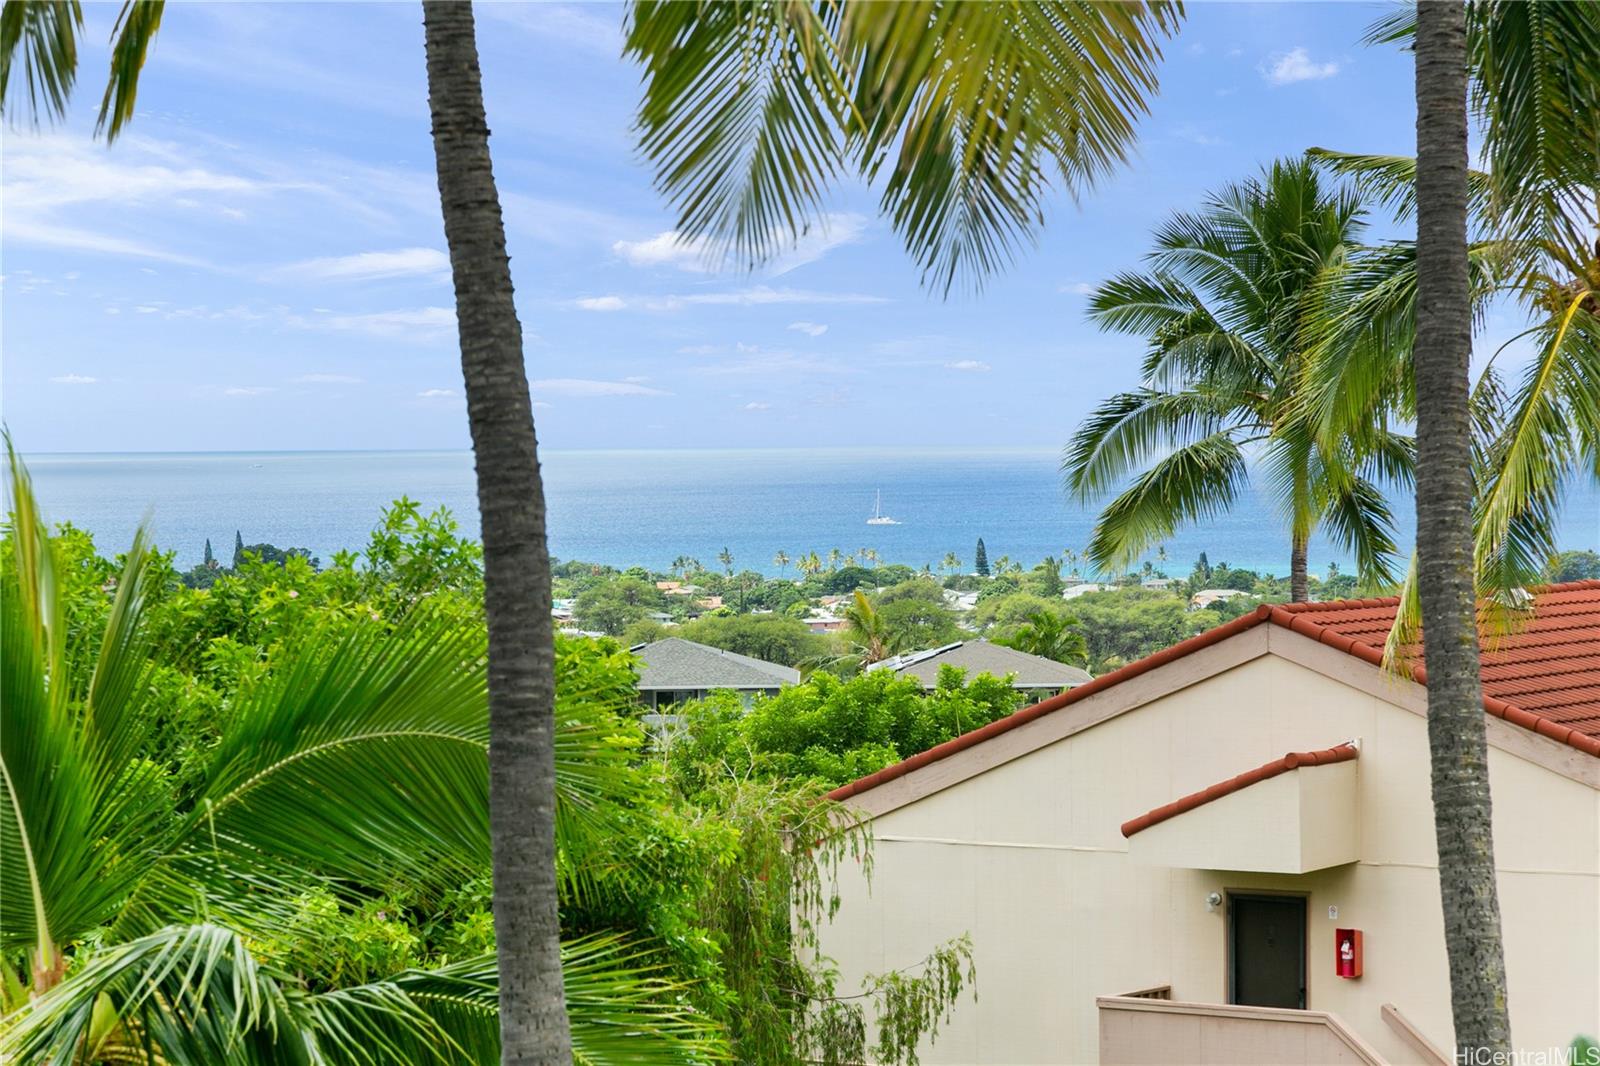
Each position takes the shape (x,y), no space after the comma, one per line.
(1130,428)
(1193,484)
(131,39)
(1529,456)
(739,118)
(80,818)
(966,112)
(397,719)
(43,36)
(1391,180)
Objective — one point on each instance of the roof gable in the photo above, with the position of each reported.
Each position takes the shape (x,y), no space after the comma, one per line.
(985,657)
(1551,668)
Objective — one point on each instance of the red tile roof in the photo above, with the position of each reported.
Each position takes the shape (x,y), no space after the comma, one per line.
(1545,677)
(1338,753)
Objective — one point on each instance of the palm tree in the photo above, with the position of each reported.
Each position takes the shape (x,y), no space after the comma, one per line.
(834,555)
(1535,78)
(951,562)
(725,557)
(867,632)
(781,561)
(1446,579)
(160,905)
(516,559)
(1052,636)
(962,110)
(1228,307)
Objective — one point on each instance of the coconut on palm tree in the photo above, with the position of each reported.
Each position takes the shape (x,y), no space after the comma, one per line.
(1228,307)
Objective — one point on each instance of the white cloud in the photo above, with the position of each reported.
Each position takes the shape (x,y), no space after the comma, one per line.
(670,248)
(565,23)
(417,323)
(1078,288)
(437,394)
(767,364)
(1194,134)
(247,390)
(368,266)
(587,387)
(971,365)
(74,379)
(700,349)
(756,405)
(327,379)
(810,329)
(54,181)
(664,249)
(752,296)
(1297,65)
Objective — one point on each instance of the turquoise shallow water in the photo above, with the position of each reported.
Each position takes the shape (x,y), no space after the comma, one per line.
(648,507)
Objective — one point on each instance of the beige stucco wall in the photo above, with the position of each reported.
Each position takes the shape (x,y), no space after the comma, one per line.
(1027,858)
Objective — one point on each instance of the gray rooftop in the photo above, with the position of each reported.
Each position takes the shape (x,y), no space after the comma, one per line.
(678,664)
(981,657)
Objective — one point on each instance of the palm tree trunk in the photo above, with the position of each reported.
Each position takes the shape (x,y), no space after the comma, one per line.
(1456,731)
(516,562)
(1299,586)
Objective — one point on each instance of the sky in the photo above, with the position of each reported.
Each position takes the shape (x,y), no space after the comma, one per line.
(259,264)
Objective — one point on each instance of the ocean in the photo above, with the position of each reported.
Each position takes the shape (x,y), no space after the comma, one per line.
(649,507)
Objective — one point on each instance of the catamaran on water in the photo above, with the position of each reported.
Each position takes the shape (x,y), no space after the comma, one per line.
(878,517)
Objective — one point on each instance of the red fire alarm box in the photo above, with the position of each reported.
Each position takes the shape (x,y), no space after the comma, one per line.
(1347,952)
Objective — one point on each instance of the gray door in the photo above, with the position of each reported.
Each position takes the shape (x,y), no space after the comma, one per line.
(1268,950)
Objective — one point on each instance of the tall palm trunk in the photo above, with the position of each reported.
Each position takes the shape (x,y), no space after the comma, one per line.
(516,563)
(1456,731)
(1299,583)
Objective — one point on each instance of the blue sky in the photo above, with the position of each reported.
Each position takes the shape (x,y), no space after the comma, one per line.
(259,263)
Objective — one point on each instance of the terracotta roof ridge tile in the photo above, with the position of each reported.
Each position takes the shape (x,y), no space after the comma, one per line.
(1293,760)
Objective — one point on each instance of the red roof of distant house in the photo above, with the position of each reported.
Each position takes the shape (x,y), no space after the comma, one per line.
(1544,677)
(1291,761)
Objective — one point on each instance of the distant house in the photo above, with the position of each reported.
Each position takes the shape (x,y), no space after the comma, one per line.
(1029,673)
(824,622)
(960,601)
(1159,583)
(709,603)
(1206,597)
(561,610)
(1083,590)
(674,670)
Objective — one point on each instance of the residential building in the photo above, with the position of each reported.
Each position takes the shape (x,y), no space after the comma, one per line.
(1028,673)
(1083,589)
(824,622)
(1224,853)
(673,670)
(1206,597)
(960,601)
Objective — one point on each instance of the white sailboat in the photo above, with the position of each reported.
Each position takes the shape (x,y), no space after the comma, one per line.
(878,517)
